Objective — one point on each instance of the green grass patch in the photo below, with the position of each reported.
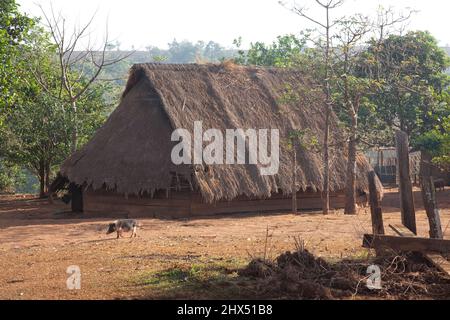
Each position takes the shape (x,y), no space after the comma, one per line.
(213,279)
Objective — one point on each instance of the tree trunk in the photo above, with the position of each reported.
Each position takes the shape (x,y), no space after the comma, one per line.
(294,183)
(326,144)
(429,197)
(350,192)
(326,165)
(47,182)
(41,180)
(47,177)
(75,127)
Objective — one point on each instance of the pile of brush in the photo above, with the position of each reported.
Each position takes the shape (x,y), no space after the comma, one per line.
(301,275)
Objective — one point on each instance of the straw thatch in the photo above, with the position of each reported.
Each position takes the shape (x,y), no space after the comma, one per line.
(130,154)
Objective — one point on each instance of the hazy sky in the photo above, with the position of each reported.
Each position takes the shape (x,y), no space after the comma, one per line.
(157,22)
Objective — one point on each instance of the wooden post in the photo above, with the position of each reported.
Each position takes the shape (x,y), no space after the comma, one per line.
(405,185)
(429,196)
(375,209)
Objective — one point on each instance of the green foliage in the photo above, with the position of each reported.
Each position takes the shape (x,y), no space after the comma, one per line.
(15,179)
(159,58)
(398,83)
(14,28)
(412,87)
(437,143)
(213,51)
(286,51)
(13,31)
(184,51)
(188,52)
(37,128)
(305,139)
(11,176)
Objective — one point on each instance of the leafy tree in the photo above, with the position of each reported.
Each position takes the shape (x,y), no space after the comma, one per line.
(413,97)
(437,143)
(411,72)
(184,51)
(11,176)
(349,92)
(326,26)
(78,71)
(37,135)
(13,30)
(340,72)
(213,51)
(286,51)
(37,131)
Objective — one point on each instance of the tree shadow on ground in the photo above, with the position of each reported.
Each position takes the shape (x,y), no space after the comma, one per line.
(218,281)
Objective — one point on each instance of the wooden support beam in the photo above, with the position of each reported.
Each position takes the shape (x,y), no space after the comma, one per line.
(412,244)
(375,209)
(405,184)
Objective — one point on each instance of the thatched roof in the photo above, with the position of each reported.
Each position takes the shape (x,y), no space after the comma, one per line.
(131,152)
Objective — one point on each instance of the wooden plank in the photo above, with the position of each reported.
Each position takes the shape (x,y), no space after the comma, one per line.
(435,258)
(405,184)
(375,209)
(402,231)
(184,204)
(406,243)
(439,262)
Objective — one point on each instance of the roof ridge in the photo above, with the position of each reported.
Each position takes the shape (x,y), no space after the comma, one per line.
(208,66)
(172,66)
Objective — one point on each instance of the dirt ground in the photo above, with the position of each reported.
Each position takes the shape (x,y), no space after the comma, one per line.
(169,258)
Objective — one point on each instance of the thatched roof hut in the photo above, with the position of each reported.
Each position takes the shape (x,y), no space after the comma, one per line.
(130,154)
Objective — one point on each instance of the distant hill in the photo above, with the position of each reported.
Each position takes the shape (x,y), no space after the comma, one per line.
(119,71)
(166,56)
(186,54)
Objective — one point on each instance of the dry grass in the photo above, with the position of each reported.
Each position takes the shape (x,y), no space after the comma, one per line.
(229,65)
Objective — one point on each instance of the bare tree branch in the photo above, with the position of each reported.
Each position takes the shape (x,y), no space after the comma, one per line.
(75,82)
